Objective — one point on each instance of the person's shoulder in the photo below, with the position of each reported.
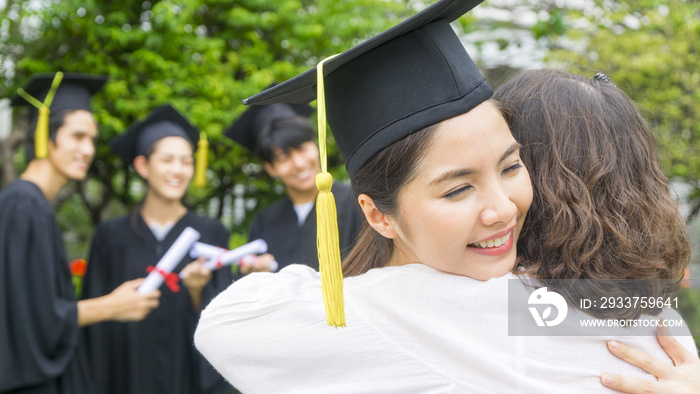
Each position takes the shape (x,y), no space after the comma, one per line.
(115,228)
(114,224)
(22,190)
(22,197)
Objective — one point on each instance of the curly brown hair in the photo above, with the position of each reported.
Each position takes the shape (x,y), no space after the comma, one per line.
(602,206)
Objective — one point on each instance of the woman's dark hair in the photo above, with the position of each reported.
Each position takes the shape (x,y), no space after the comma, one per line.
(56,121)
(602,207)
(382,178)
(284,134)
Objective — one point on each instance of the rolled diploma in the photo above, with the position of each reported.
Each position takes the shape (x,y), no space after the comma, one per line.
(200,249)
(245,260)
(232,256)
(217,257)
(253,259)
(170,260)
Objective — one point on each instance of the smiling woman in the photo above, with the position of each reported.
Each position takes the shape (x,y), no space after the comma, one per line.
(441,184)
(161,148)
(167,167)
(478,192)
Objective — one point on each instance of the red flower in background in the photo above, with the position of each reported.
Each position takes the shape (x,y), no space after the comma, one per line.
(78,267)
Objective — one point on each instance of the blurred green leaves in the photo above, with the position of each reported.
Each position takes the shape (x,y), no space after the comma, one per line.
(651,49)
(204,57)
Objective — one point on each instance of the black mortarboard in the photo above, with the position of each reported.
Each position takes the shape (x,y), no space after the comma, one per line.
(411,76)
(164,121)
(62,91)
(257,119)
(74,92)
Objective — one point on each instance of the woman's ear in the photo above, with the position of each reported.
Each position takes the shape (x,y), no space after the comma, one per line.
(380,222)
(141,166)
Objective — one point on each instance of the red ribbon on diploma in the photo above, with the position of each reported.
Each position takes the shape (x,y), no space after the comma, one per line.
(171,280)
(219,264)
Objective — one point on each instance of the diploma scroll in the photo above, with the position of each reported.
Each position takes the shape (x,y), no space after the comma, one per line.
(170,260)
(219,257)
(253,259)
(200,249)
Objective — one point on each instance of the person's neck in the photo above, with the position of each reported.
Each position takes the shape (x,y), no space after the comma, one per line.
(399,257)
(161,211)
(302,197)
(43,174)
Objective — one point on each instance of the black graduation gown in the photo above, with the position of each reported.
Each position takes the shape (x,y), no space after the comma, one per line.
(294,244)
(156,355)
(38,310)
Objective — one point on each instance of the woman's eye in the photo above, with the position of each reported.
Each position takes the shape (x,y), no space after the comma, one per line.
(512,168)
(457,192)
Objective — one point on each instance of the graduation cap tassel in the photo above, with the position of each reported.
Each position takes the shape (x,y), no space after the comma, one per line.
(201,161)
(41,134)
(328,243)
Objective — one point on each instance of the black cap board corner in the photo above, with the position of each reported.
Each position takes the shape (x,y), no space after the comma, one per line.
(255,120)
(74,92)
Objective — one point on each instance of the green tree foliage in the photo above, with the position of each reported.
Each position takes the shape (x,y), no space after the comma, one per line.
(203,56)
(651,50)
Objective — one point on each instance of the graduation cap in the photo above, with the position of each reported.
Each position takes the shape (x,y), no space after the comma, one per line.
(409,77)
(164,121)
(55,92)
(258,119)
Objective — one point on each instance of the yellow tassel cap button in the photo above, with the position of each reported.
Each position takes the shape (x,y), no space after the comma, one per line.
(324,181)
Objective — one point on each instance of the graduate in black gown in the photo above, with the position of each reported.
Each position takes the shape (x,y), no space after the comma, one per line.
(282,136)
(157,354)
(39,315)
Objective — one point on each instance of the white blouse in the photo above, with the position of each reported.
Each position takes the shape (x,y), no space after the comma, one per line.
(410,329)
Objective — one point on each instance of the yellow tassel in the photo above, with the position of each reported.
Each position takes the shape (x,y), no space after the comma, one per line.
(41,134)
(200,170)
(327,242)
(329,251)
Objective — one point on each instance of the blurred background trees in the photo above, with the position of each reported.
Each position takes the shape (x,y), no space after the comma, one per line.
(203,56)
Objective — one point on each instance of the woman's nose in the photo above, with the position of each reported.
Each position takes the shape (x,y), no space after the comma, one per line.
(499,208)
